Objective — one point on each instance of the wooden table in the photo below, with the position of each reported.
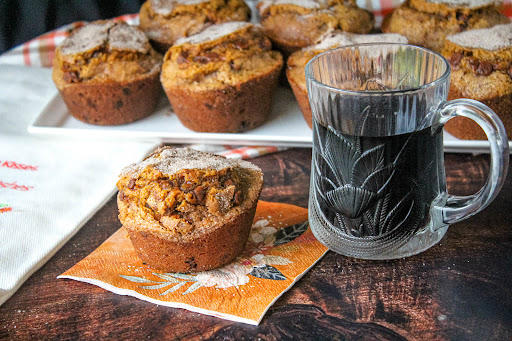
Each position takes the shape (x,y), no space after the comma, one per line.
(460,289)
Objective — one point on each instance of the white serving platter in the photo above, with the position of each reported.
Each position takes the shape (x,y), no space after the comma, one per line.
(285,127)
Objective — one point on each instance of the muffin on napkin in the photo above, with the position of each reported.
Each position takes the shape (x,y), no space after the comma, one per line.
(297,61)
(427,22)
(223,79)
(165,21)
(292,25)
(481,63)
(107,73)
(187,210)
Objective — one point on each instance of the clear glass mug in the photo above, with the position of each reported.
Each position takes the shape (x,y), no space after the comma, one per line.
(378,186)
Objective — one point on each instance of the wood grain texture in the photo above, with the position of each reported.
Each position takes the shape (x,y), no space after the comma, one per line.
(460,289)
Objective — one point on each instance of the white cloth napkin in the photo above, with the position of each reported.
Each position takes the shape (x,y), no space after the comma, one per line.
(48,187)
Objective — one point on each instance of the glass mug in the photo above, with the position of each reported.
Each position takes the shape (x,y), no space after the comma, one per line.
(378,186)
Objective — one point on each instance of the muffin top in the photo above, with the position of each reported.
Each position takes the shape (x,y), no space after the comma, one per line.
(102,51)
(182,193)
(481,52)
(222,55)
(298,60)
(165,21)
(296,24)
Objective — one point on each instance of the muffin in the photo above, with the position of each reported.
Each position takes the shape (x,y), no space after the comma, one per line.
(223,79)
(297,61)
(187,210)
(427,22)
(107,73)
(292,25)
(165,21)
(481,63)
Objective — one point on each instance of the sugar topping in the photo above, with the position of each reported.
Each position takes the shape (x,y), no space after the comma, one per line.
(465,3)
(213,32)
(126,37)
(171,160)
(341,39)
(86,37)
(117,35)
(165,7)
(263,5)
(494,38)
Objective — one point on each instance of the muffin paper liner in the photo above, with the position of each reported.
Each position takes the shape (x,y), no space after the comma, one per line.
(280,250)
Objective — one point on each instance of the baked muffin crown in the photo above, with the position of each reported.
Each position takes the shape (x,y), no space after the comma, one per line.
(181,191)
(224,54)
(292,25)
(105,50)
(165,21)
(481,52)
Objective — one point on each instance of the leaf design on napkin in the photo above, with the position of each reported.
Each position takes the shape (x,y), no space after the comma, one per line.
(288,234)
(267,272)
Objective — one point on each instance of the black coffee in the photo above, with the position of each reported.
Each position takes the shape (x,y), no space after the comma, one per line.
(374,185)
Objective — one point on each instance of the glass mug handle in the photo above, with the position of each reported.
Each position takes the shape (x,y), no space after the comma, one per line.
(453,208)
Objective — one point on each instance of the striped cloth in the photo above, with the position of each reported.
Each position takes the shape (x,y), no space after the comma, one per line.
(40,51)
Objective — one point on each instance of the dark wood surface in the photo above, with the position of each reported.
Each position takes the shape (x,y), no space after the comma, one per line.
(460,289)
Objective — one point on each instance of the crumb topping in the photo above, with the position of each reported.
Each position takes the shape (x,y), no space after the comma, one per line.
(224,54)
(181,188)
(105,50)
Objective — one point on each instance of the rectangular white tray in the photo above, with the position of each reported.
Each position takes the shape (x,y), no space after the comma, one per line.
(285,127)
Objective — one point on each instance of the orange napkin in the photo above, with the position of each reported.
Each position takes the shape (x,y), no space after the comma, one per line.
(281,248)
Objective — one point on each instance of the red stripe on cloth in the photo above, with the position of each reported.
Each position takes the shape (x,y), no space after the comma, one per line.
(386,6)
(126,17)
(47,51)
(26,54)
(507,10)
(249,152)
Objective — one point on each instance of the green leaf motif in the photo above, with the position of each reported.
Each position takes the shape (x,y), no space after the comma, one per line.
(267,272)
(137,279)
(193,288)
(173,288)
(168,278)
(158,286)
(290,233)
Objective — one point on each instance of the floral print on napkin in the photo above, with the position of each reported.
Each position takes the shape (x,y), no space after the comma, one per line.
(280,249)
